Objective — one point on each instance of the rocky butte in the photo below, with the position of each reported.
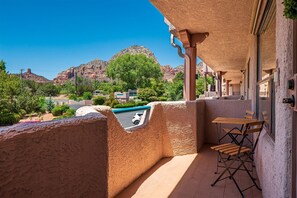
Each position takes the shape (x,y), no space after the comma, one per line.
(28,75)
(95,69)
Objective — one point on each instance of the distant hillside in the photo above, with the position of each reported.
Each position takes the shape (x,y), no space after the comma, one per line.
(169,72)
(135,49)
(28,75)
(95,69)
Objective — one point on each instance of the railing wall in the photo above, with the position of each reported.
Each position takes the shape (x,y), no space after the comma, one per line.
(66,158)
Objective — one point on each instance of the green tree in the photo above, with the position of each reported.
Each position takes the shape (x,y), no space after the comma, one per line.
(158,87)
(108,87)
(174,90)
(48,89)
(147,94)
(2,65)
(134,71)
(200,84)
(67,88)
(84,85)
(31,85)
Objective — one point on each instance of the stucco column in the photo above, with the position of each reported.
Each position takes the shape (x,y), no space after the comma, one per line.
(227,87)
(253,73)
(190,75)
(220,83)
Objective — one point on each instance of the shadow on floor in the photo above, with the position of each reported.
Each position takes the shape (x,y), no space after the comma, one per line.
(188,176)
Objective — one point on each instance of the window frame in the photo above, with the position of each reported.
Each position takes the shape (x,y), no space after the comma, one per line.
(269,79)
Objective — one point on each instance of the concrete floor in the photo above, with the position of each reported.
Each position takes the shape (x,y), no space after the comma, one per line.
(188,176)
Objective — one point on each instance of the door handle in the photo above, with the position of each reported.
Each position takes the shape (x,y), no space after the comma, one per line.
(290,101)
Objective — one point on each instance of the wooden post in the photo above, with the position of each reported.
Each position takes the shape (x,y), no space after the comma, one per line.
(190,75)
(189,42)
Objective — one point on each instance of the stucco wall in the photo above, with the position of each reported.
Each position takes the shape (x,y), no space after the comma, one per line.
(55,159)
(222,108)
(200,117)
(180,128)
(171,130)
(273,156)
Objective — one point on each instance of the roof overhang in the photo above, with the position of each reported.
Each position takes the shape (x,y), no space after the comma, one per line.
(228,23)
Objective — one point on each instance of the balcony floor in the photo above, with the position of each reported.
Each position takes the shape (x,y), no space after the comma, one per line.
(188,176)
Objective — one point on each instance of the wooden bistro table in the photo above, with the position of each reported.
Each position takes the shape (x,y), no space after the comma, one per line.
(236,121)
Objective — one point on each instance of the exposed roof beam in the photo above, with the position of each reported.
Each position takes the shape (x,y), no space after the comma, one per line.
(191,40)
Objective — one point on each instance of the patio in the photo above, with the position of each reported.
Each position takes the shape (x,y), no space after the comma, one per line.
(187,176)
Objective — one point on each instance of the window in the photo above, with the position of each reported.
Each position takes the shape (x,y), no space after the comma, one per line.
(266,67)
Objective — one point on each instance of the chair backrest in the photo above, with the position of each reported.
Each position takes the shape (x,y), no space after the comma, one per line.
(249,114)
(254,127)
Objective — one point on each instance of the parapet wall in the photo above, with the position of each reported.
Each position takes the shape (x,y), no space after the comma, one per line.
(94,156)
(66,158)
(170,130)
(221,108)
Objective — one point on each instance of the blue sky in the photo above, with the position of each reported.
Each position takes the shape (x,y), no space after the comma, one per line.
(49,36)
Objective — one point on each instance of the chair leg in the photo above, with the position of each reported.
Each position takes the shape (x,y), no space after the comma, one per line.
(253,179)
(231,175)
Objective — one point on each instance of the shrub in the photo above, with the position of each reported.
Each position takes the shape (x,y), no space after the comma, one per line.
(9,119)
(290,10)
(57,111)
(125,105)
(60,110)
(73,97)
(153,98)
(64,108)
(162,98)
(99,100)
(22,112)
(130,104)
(141,103)
(70,112)
(87,95)
(146,94)
(113,103)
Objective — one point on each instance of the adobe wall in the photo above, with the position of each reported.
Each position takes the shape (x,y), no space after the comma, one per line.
(273,156)
(66,158)
(180,128)
(171,130)
(200,116)
(222,108)
(132,154)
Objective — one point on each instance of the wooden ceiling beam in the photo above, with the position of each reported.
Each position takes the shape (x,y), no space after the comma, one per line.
(191,40)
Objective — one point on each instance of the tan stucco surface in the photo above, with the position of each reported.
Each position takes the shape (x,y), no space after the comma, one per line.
(222,108)
(228,23)
(55,159)
(274,156)
(171,130)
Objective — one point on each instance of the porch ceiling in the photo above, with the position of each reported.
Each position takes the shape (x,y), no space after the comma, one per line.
(235,76)
(228,23)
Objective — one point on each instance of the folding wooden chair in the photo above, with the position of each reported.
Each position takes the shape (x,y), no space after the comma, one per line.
(238,153)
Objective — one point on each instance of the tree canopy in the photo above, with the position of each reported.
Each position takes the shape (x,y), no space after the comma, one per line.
(2,65)
(134,71)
